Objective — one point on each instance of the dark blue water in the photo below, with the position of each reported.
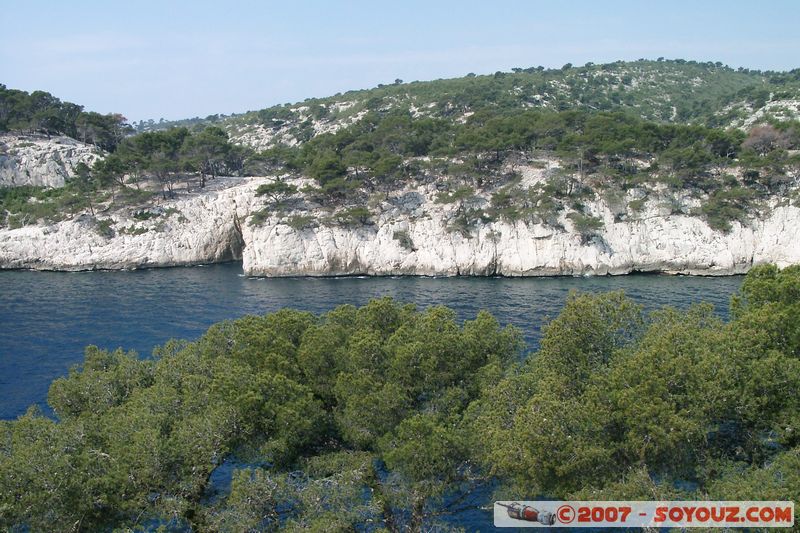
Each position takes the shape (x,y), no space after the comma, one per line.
(46,318)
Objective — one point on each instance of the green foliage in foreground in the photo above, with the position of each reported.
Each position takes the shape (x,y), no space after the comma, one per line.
(331,395)
(369,416)
(619,405)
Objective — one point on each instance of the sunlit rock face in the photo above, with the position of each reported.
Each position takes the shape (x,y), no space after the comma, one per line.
(408,234)
(671,244)
(42,161)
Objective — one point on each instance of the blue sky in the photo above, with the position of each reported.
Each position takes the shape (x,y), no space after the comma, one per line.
(178,59)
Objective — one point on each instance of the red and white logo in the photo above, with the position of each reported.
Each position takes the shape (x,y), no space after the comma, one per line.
(666,514)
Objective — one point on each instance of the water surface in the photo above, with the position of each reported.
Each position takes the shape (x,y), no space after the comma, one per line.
(46,318)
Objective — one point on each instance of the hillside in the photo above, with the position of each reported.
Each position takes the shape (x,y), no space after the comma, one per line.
(668,166)
(674,91)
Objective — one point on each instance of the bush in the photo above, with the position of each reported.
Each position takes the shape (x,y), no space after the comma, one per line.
(606,379)
(504,206)
(29,204)
(586,225)
(277,191)
(460,194)
(104,228)
(134,230)
(144,215)
(133,197)
(365,416)
(404,239)
(257,218)
(637,206)
(353,216)
(465,221)
(724,207)
(301,222)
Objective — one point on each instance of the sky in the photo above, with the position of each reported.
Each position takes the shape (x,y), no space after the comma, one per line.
(185,58)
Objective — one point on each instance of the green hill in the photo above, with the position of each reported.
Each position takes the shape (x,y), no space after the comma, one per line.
(675,91)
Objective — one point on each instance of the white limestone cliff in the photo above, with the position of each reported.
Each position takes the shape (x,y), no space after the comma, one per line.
(670,244)
(196,229)
(213,226)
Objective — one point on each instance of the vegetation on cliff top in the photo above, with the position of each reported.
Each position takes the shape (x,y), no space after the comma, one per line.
(385,416)
(41,112)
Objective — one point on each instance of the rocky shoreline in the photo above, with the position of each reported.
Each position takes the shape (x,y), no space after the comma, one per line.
(214,226)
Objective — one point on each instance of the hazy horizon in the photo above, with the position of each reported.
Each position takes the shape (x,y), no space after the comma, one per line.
(174,60)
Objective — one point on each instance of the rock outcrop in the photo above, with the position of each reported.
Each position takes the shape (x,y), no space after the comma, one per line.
(42,161)
(196,229)
(408,236)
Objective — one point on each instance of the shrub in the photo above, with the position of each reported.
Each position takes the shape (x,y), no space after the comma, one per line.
(301,222)
(637,206)
(257,218)
(133,197)
(134,230)
(404,239)
(103,227)
(460,194)
(585,225)
(144,215)
(723,207)
(29,204)
(353,216)
(546,209)
(466,220)
(504,206)
(277,191)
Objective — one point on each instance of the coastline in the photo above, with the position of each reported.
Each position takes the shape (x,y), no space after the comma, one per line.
(634,272)
(216,226)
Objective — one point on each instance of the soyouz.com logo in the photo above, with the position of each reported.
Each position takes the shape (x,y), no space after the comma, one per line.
(643,514)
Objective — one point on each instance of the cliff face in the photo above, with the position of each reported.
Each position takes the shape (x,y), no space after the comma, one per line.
(41,161)
(408,235)
(201,228)
(671,244)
